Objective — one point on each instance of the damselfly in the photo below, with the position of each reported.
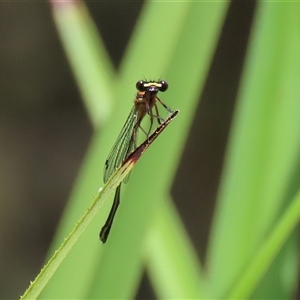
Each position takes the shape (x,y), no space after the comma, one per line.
(144,103)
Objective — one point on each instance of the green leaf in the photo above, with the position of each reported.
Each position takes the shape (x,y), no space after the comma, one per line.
(263,148)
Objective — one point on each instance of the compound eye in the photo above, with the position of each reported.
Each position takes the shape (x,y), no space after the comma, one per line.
(140,86)
(164,86)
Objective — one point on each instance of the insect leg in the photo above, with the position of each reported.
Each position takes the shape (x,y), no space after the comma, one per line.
(165,106)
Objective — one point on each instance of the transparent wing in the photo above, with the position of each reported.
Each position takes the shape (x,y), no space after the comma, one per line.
(121,148)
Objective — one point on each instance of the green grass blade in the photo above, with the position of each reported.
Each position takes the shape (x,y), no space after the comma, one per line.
(50,268)
(88,58)
(151,176)
(153,42)
(263,149)
(172,263)
(262,261)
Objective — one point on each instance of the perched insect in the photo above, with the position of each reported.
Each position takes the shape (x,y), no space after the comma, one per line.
(144,103)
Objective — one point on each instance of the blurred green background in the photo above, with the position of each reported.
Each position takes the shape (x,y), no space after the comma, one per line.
(45,131)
